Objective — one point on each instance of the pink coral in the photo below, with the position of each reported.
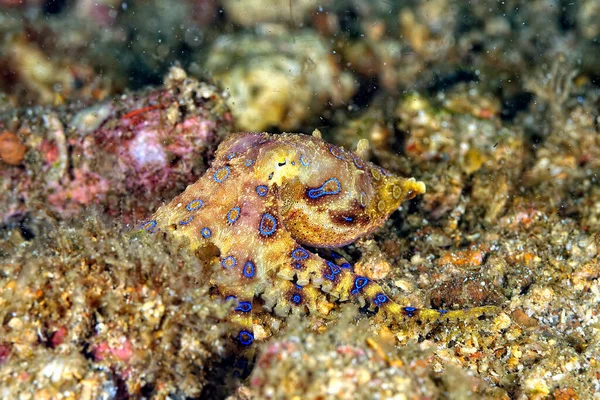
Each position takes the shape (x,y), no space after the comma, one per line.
(123,351)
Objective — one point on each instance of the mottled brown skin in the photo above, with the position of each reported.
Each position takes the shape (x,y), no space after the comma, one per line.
(267,195)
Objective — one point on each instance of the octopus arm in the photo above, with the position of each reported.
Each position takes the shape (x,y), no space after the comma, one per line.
(322,277)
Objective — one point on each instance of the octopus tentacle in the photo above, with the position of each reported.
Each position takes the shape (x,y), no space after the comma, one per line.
(263,199)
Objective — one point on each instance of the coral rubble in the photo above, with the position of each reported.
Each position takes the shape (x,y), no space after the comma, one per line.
(123,155)
(493,105)
(278,78)
(90,312)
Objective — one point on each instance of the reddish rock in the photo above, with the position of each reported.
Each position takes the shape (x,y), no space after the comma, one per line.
(12,151)
(123,156)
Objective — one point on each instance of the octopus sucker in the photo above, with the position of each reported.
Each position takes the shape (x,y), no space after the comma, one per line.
(264,198)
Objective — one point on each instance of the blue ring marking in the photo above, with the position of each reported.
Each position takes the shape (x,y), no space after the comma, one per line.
(410,311)
(380,299)
(194,205)
(186,221)
(296,299)
(206,233)
(335,270)
(267,232)
(298,266)
(231,155)
(335,255)
(442,312)
(249,162)
(217,173)
(244,306)
(347,219)
(293,162)
(230,297)
(333,150)
(299,254)
(148,226)
(262,190)
(229,218)
(249,269)
(245,338)
(359,283)
(346,265)
(298,286)
(304,161)
(355,159)
(363,196)
(240,364)
(320,191)
(227,260)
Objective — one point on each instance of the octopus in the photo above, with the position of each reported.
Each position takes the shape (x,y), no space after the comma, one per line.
(265,202)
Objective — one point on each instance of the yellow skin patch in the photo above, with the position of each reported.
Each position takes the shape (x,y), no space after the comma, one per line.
(264,197)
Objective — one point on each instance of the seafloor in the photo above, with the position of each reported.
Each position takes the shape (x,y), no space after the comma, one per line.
(110,108)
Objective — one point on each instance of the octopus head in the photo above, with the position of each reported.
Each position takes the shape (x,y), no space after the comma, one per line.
(341,199)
